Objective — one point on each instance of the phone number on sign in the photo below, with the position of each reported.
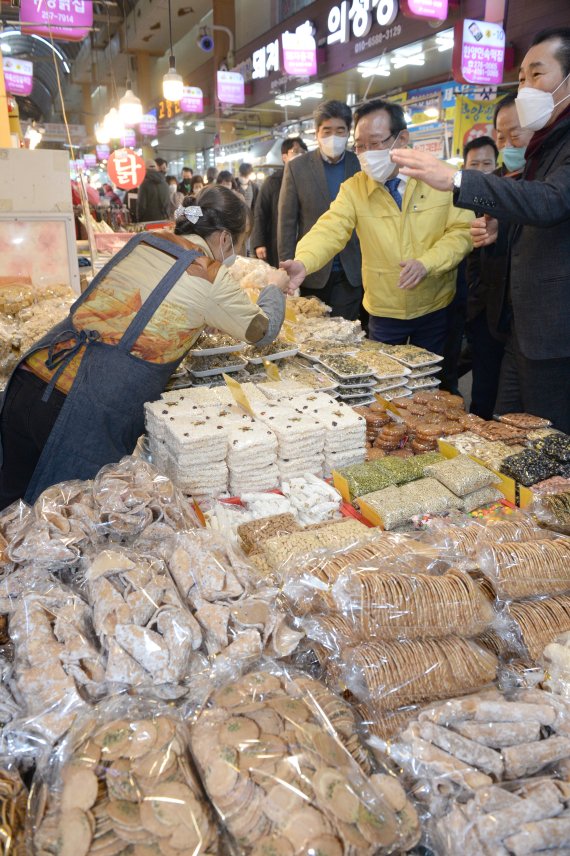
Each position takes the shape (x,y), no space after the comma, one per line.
(378,38)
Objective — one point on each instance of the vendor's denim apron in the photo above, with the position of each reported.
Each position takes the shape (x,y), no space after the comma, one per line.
(103,414)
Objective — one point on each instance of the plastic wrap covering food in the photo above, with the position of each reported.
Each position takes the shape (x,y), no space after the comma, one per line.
(123,783)
(147,634)
(525,421)
(530,466)
(58,666)
(317,335)
(521,569)
(254,532)
(375,475)
(288,548)
(28,313)
(556,445)
(539,622)
(13,811)
(462,475)
(411,671)
(309,307)
(397,505)
(455,538)
(556,660)
(553,510)
(393,605)
(235,622)
(308,582)
(455,749)
(530,817)
(272,749)
(252,274)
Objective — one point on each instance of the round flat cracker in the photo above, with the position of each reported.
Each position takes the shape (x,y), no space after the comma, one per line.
(76,833)
(80,788)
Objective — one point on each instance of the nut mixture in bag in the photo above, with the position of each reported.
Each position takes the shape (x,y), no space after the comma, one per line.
(273,762)
(125,782)
(462,475)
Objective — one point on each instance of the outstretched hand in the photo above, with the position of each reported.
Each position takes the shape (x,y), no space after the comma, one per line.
(297,273)
(425,167)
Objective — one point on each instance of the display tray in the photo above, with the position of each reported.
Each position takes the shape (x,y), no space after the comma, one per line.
(233,367)
(426,370)
(365,382)
(338,378)
(386,387)
(354,391)
(426,382)
(358,400)
(213,352)
(280,355)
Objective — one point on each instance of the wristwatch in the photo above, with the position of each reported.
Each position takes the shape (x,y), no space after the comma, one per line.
(457,181)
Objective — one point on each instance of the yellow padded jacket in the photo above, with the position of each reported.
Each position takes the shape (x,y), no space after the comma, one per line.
(428,228)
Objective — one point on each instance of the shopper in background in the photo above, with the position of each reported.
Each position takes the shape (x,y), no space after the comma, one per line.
(246,185)
(76,400)
(264,234)
(112,195)
(226,179)
(184,186)
(176,198)
(153,197)
(537,209)
(196,185)
(487,324)
(411,239)
(310,185)
(480,153)
(161,165)
(211,175)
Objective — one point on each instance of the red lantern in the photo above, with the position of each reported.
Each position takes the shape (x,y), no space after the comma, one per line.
(126,169)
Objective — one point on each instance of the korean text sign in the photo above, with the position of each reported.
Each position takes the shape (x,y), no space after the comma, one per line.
(231,87)
(67,20)
(18,76)
(126,169)
(478,52)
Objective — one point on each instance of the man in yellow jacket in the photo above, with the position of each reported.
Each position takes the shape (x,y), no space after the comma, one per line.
(412,237)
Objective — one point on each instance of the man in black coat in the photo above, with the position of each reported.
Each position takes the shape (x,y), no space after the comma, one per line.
(153,198)
(264,234)
(537,209)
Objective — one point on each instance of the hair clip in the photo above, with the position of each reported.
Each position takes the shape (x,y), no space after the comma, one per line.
(192,213)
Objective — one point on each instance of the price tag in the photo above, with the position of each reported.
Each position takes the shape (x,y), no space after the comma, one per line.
(239,395)
(271,370)
(387,405)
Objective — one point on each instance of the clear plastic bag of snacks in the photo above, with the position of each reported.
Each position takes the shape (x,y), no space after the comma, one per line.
(519,569)
(552,509)
(462,745)
(13,810)
(123,782)
(279,758)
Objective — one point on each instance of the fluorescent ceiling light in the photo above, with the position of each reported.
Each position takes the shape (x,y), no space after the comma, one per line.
(288,99)
(311,90)
(199,126)
(374,67)
(444,40)
(154,142)
(401,58)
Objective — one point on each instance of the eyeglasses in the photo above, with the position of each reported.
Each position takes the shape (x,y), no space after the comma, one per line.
(360,148)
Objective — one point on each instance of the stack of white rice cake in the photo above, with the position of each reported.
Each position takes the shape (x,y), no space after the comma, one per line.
(209,446)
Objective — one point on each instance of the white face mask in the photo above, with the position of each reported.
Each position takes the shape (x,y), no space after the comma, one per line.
(377,164)
(333,146)
(535,107)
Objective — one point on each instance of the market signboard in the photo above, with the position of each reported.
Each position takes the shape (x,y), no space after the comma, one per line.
(103,152)
(65,20)
(192,100)
(472,119)
(148,125)
(478,52)
(18,76)
(230,87)
(126,169)
(433,9)
(300,51)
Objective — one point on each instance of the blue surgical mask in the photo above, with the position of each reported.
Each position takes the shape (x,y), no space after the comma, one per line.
(513,158)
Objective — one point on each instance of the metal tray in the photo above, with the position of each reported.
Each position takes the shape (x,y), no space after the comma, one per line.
(280,355)
(212,352)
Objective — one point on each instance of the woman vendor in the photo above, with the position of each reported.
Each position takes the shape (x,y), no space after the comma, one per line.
(76,400)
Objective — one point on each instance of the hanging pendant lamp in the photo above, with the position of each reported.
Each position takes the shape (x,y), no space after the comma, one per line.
(172,83)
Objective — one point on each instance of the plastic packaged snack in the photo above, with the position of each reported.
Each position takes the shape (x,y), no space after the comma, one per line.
(13,811)
(541,621)
(288,548)
(256,531)
(553,510)
(525,421)
(462,475)
(520,569)
(392,605)
(273,751)
(529,467)
(557,446)
(411,671)
(478,498)
(124,784)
